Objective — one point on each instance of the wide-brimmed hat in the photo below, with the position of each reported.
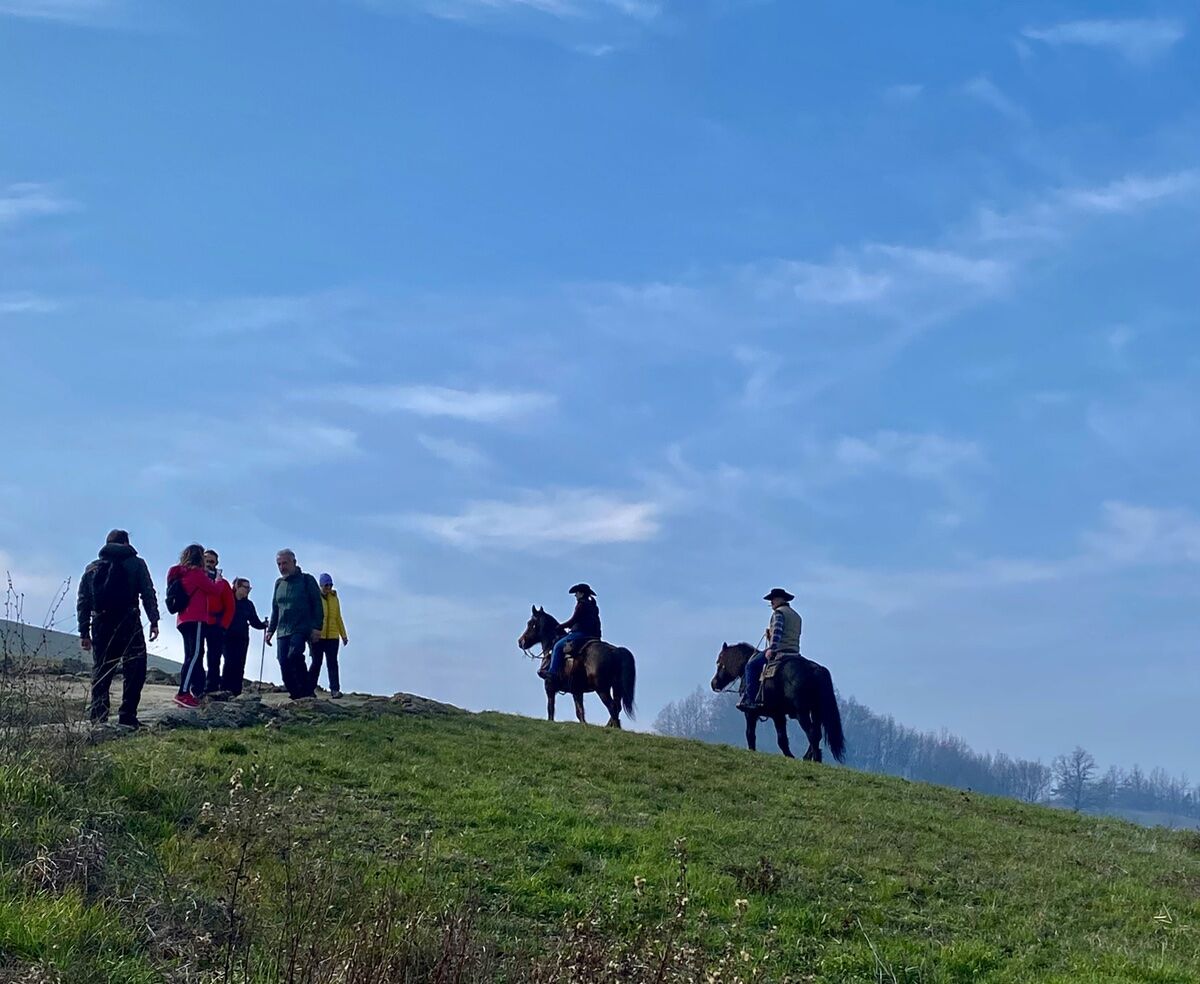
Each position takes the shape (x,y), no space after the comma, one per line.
(585,588)
(779,593)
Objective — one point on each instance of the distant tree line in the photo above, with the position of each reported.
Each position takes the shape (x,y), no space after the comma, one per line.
(877,743)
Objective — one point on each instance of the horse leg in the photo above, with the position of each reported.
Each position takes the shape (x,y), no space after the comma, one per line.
(579,709)
(812,730)
(549,703)
(782,735)
(752,732)
(613,703)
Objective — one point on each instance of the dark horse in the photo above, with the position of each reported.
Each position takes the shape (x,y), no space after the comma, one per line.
(602,669)
(799,689)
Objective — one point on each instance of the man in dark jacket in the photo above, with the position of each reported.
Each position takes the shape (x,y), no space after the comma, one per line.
(581,627)
(237,637)
(296,617)
(110,626)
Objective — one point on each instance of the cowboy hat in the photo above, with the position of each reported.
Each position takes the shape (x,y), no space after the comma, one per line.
(779,593)
(585,588)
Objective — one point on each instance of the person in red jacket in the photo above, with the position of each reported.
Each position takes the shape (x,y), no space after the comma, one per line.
(199,589)
(221,608)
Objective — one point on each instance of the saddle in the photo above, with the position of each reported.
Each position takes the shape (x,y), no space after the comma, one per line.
(572,653)
(773,665)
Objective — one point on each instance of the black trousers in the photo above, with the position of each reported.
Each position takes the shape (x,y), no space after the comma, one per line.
(290,653)
(326,649)
(234,669)
(117,641)
(214,648)
(191,676)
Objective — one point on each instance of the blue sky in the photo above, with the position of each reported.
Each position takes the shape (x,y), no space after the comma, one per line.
(466,300)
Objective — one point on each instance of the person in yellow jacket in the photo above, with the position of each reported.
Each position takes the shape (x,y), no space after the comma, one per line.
(333,632)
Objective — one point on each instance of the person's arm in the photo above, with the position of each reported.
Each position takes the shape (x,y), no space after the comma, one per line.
(570,623)
(253,618)
(776,634)
(316,606)
(228,605)
(341,624)
(149,597)
(273,622)
(83,609)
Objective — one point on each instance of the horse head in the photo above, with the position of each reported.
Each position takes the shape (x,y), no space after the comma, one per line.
(542,628)
(731,664)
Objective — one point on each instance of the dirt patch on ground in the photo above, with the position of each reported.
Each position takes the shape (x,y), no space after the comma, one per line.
(253,708)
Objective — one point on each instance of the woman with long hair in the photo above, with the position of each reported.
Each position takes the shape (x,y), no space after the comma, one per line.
(198,587)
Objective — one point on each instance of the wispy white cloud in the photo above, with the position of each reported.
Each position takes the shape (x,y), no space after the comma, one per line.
(364,570)
(28,200)
(22,302)
(227,453)
(1133,192)
(470,10)
(931,457)
(904,92)
(880,272)
(537,521)
(1141,536)
(1128,538)
(65,11)
(990,94)
(1049,218)
(1138,40)
(478,406)
(458,454)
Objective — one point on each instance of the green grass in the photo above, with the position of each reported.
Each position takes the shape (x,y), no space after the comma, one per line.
(848,877)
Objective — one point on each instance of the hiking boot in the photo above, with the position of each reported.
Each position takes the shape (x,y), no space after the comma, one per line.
(131,723)
(335,695)
(745,704)
(186,700)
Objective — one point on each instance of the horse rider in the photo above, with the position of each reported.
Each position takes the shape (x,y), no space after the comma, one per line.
(783,635)
(582,626)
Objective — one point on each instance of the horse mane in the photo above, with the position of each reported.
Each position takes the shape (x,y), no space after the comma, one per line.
(744,647)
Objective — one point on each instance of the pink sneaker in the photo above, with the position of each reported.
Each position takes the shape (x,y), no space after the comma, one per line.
(186,700)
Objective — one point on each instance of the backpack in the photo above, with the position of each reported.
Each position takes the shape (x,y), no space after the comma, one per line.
(177,597)
(112,589)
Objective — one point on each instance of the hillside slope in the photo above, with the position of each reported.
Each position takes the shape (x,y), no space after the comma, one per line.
(844,876)
(53,648)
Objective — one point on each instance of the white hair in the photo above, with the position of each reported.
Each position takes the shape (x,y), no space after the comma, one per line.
(285,552)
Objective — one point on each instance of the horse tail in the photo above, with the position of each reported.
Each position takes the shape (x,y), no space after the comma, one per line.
(831,717)
(628,681)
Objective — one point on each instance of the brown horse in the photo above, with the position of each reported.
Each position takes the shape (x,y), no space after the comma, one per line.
(608,671)
(799,689)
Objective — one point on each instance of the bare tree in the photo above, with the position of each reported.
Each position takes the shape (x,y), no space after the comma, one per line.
(1073,778)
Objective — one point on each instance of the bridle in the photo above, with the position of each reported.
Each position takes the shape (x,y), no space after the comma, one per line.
(547,648)
(739,678)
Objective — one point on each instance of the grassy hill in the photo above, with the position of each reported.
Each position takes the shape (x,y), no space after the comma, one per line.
(514,847)
(54,648)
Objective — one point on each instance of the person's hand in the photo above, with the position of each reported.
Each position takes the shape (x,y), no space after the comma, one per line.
(267,639)
(153,631)
(345,640)
(315,636)
(85,645)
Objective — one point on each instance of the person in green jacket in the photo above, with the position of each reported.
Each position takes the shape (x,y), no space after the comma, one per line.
(296,617)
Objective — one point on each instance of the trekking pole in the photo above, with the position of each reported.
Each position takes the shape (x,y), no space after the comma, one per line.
(261,660)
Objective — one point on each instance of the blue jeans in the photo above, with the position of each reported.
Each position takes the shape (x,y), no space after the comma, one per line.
(556,657)
(753,676)
(292,665)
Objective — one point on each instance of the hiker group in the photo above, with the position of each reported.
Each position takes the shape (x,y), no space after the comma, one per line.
(214,617)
